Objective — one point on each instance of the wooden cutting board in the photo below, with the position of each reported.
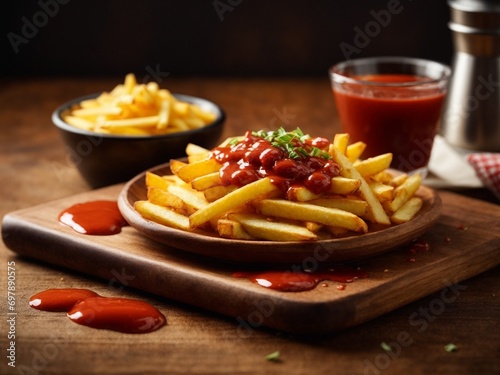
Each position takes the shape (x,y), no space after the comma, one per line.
(464,242)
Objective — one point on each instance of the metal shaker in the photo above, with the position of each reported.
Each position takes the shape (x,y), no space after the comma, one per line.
(471,115)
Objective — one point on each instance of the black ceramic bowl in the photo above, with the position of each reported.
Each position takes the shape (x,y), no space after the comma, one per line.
(105,159)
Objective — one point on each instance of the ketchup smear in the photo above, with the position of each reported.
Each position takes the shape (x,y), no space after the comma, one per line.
(86,307)
(255,157)
(94,218)
(288,281)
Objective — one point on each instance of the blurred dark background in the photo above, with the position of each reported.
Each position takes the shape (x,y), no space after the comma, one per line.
(214,37)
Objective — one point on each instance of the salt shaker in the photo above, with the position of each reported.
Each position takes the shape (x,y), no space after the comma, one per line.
(471,115)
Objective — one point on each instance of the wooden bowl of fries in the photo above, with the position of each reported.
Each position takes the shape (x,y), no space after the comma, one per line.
(108,157)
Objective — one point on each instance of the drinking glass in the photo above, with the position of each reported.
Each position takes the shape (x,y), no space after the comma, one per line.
(393,104)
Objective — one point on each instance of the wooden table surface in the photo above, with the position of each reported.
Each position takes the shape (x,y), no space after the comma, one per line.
(34,169)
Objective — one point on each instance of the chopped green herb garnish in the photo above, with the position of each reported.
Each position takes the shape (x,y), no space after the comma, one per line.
(450,347)
(274,356)
(385,346)
(292,142)
(233,142)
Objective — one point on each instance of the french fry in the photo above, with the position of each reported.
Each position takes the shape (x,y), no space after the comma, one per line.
(338,232)
(407,211)
(196,153)
(340,142)
(154,180)
(403,193)
(217,192)
(339,186)
(356,206)
(137,109)
(207,181)
(344,186)
(376,210)
(354,151)
(258,226)
(300,194)
(398,180)
(313,227)
(232,229)
(384,177)
(188,196)
(162,215)
(189,172)
(310,212)
(176,165)
(236,198)
(373,165)
(164,198)
(192,149)
(382,191)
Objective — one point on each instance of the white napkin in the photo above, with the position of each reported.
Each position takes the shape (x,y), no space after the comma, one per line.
(449,167)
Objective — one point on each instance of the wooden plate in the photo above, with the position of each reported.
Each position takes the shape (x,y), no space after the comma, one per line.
(352,248)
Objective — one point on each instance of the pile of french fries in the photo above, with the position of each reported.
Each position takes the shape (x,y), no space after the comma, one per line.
(193,199)
(137,109)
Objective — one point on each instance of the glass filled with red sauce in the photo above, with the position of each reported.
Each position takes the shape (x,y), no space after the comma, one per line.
(393,104)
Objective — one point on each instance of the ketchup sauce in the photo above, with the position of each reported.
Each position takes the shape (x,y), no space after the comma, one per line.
(117,314)
(304,162)
(86,307)
(59,299)
(287,281)
(392,119)
(94,218)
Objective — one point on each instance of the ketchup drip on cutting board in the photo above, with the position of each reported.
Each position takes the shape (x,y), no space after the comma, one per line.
(94,218)
(287,281)
(86,307)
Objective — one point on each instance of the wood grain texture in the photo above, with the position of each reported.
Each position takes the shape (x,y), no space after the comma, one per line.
(204,282)
(34,169)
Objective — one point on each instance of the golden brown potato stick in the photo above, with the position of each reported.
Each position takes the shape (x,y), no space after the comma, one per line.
(376,210)
(258,226)
(344,186)
(217,192)
(154,180)
(164,198)
(374,165)
(354,151)
(189,172)
(403,192)
(138,109)
(310,212)
(195,150)
(234,199)
(162,215)
(188,196)
(356,206)
(382,191)
(207,181)
(232,229)
(340,142)
(407,211)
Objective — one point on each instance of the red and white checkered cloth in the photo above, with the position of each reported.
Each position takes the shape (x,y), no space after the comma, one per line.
(487,167)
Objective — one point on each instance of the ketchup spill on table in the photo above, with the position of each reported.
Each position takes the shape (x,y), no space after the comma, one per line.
(287,281)
(95,218)
(86,307)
